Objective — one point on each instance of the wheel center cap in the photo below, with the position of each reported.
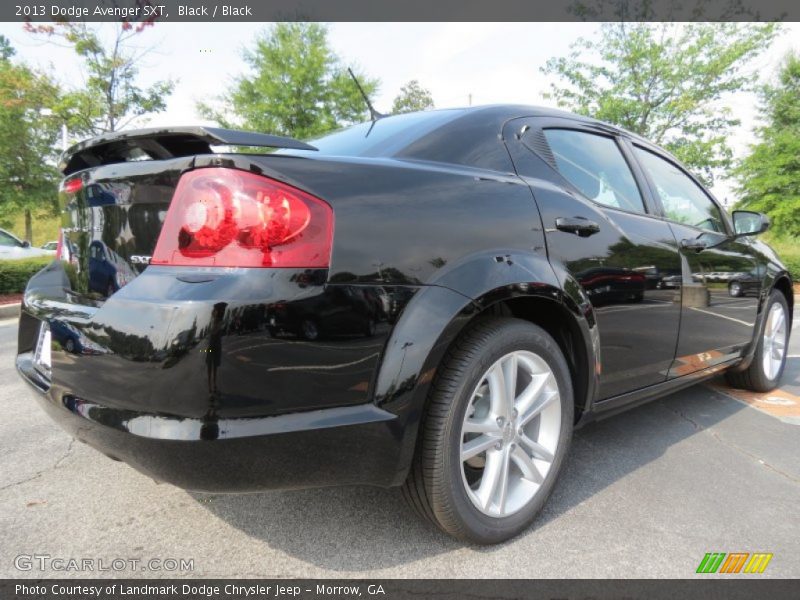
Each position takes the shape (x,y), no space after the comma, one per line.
(508,432)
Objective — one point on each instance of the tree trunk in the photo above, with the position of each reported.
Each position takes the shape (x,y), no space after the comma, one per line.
(28,226)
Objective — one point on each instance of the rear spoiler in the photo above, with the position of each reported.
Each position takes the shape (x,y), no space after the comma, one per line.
(159,143)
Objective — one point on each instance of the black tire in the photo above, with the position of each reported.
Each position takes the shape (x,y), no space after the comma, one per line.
(434,487)
(754,378)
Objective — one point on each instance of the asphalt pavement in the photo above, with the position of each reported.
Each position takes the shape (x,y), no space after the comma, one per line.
(644,494)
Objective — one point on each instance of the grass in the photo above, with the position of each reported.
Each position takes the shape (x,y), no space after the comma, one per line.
(788,250)
(45,229)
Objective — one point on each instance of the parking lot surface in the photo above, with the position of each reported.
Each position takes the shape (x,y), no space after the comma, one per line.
(644,494)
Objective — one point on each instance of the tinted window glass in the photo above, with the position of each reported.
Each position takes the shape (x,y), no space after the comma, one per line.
(682,198)
(384,137)
(595,165)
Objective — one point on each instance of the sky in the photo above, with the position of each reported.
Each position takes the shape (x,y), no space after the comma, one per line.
(486,63)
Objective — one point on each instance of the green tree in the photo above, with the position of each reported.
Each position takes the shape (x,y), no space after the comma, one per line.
(296,86)
(27,141)
(110,99)
(769,177)
(412,97)
(664,81)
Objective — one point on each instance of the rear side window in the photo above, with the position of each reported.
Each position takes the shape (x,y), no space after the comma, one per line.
(683,200)
(595,165)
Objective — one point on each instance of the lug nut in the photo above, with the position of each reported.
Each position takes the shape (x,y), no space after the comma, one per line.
(498,446)
(514,414)
(500,421)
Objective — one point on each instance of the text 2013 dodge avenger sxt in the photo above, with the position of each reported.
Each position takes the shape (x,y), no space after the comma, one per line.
(432,300)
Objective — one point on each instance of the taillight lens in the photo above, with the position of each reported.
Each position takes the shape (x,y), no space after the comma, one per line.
(72,186)
(230,218)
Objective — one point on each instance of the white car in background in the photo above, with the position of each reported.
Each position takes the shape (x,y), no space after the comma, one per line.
(12,247)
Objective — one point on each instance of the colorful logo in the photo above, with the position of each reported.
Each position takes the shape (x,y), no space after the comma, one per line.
(735,562)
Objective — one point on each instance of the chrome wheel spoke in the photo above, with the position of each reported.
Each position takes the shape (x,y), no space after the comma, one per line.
(509,366)
(483,426)
(497,390)
(502,484)
(530,394)
(545,399)
(536,449)
(477,446)
(491,477)
(525,464)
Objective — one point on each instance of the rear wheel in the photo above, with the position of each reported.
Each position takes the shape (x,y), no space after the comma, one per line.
(498,425)
(735,289)
(769,361)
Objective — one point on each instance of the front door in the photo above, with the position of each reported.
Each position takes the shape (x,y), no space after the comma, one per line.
(720,283)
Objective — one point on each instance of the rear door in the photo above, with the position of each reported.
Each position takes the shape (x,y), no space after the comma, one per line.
(603,234)
(717,317)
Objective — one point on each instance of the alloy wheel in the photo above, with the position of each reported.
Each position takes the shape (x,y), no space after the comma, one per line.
(774,345)
(510,433)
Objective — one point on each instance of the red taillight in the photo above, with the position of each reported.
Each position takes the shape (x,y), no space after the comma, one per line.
(72,186)
(229,218)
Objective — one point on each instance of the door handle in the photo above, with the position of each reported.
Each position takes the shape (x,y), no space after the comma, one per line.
(694,244)
(580,226)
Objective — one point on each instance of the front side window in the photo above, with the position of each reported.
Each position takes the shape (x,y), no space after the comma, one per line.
(683,200)
(595,165)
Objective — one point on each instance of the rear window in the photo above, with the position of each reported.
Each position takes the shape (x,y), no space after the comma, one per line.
(384,137)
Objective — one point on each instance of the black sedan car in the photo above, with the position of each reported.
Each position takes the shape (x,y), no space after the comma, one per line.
(483,272)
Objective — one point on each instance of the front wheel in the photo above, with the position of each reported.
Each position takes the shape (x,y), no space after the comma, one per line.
(497,428)
(765,371)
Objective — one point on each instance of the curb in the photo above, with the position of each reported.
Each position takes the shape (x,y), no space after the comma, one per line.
(9,311)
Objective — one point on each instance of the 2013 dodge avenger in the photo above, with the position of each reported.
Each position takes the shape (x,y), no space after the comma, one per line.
(432,301)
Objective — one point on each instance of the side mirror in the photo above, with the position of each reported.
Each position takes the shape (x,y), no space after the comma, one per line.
(746,222)
(26,244)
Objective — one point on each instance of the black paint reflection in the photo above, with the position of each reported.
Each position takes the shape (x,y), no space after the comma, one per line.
(214,347)
(211,359)
(607,285)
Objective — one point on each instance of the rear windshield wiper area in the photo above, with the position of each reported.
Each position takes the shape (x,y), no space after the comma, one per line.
(160,143)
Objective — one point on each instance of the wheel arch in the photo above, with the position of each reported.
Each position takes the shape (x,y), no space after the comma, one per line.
(437,315)
(782,282)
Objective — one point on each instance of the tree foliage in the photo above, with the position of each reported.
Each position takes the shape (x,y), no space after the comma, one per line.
(27,141)
(769,177)
(110,99)
(664,81)
(412,97)
(296,86)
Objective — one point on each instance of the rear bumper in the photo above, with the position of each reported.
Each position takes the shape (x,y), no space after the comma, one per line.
(335,446)
(184,375)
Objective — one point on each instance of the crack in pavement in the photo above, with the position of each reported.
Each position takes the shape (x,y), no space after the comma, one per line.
(725,442)
(57,464)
